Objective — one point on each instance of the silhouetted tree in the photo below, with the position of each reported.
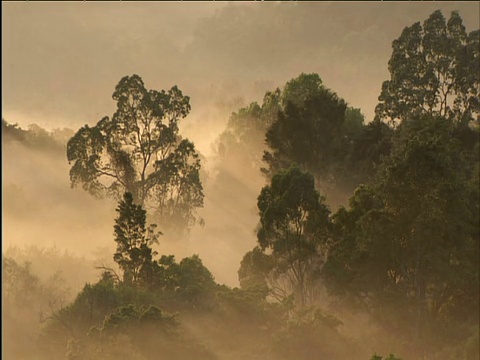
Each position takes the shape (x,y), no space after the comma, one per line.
(434,71)
(408,244)
(140,151)
(294,224)
(134,254)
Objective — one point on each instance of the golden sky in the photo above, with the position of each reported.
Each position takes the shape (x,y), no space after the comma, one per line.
(62,60)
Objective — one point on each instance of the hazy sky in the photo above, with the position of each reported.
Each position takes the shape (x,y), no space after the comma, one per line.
(61,61)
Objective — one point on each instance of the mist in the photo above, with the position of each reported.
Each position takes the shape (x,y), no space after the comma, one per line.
(57,55)
(62,61)
(60,67)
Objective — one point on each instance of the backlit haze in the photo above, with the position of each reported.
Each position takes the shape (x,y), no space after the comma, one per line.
(61,62)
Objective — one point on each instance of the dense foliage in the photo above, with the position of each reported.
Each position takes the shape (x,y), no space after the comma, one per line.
(434,71)
(294,227)
(139,150)
(134,254)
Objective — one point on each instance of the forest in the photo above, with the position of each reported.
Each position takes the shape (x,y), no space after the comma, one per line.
(367,230)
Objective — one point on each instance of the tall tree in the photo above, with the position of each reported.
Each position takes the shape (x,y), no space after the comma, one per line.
(139,150)
(306,131)
(294,223)
(435,70)
(408,244)
(134,253)
(316,130)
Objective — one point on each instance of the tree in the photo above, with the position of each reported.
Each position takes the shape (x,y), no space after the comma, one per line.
(20,285)
(139,151)
(369,145)
(300,89)
(244,137)
(195,282)
(317,131)
(255,269)
(407,247)
(294,224)
(35,137)
(94,302)
(12,132)
(307,131)
(307,125)
(435,70)
(134,254)
(187,282)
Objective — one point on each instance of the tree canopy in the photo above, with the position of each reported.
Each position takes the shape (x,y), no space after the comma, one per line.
(294,224)
(139,150)
(435,70)
(410,239)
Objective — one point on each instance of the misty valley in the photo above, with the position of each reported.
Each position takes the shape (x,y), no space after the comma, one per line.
(307,232)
